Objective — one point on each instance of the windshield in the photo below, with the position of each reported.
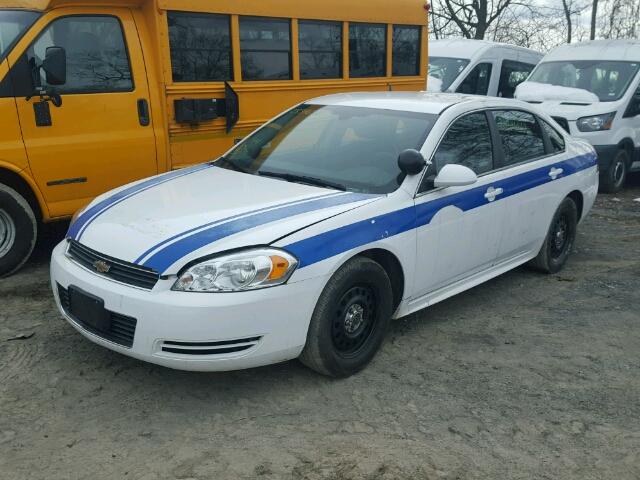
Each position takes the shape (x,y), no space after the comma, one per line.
(347,148)
(13,24)
(446,69)
(608,80)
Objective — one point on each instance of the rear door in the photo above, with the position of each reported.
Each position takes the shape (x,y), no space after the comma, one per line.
(101,136)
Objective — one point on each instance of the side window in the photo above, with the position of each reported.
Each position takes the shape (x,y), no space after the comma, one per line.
(521,136)
(367,50)
(320,49)
(512,75)
(97,59)
(265,48)
(406,50)
(556,140)
(477,82)
(634,105)
(200,47)
(468,143)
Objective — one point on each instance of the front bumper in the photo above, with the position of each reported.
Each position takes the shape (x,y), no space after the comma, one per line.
(193,331)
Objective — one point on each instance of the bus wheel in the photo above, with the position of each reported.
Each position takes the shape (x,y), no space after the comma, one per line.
(18,230)
(612,180)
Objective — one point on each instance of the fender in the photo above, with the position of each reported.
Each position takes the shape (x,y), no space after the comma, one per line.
(25,175)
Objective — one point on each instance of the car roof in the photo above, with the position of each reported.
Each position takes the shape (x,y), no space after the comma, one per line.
(418,102)
(467,48)
(621,50)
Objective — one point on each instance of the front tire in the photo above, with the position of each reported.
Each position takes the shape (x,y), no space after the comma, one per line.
(18,230)
(613,179)
(560,239)
(350,320)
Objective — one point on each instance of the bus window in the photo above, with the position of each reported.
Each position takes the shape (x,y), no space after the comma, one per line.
(265,48)
(367,50)
(406,50)
(200,45)
(320,49)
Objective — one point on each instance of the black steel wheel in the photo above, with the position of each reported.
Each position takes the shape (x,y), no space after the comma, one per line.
(559,240)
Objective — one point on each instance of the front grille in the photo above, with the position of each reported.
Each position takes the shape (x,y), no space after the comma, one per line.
(563,123)
(210,348)
(119,271)
(122,328)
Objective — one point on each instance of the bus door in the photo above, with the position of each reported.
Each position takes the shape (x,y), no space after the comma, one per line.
(91,131)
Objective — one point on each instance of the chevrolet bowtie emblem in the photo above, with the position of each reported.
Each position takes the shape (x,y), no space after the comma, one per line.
(101,266)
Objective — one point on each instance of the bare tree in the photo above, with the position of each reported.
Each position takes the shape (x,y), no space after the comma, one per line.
(472,18)
(594,16)
(566,6)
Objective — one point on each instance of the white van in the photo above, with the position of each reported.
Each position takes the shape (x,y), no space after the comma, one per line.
(478,67)
(592,90)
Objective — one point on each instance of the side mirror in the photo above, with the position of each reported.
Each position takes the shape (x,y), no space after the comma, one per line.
(453,175)
(411,162)
(55,65)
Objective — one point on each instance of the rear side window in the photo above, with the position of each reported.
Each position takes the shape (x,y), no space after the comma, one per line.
(200,46)
(555,138)
(406,50)
(477,82)
(521,136)
(320,46)
(97,59)
(512,74)
(468,143)
(367,50)
(265,48)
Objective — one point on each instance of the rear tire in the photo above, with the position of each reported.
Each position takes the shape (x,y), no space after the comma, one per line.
(612,180)
(560,239)
(350,320)
(18,230)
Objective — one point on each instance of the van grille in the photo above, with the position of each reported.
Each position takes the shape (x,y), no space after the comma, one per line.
(210,348)
(119,270)
(122,328)
(563,123)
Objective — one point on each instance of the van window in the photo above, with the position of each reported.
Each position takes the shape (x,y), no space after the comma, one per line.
(265,48)
(521,136)
(320,45)
(607,79)
(200,45)
(477,82)
(446,69)
(13,24)
(512,74)
(367,50)
(468,143)
(406,50)
(97,59)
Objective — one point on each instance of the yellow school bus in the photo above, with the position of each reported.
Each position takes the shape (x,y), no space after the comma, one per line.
(98,93)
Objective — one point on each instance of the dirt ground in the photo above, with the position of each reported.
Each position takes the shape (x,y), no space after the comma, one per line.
(527,376)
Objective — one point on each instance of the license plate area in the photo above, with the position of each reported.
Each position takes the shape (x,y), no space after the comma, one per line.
(89,310)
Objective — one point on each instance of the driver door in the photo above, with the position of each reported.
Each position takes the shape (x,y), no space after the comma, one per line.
(101,136)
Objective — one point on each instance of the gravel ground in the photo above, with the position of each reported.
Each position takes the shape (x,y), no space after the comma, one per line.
(526,376)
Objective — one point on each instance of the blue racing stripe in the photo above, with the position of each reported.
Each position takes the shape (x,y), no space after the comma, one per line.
(334,242)
(164,258)
(224,220)
(82,222)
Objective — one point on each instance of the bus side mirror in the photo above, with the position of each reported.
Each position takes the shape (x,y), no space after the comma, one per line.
(55,65)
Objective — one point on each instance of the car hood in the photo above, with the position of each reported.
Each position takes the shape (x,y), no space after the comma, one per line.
(166,221)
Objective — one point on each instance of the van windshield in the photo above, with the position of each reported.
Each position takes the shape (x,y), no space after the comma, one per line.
(608,80)
(446,69)
(333,146)
(13,23)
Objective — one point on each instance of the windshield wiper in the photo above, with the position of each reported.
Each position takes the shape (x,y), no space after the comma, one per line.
(290,177)
(233,165)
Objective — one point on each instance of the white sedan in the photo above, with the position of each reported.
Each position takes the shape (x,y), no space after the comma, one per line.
(309,236)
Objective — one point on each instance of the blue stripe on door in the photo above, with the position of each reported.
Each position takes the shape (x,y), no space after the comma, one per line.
(82,222)
(334,242)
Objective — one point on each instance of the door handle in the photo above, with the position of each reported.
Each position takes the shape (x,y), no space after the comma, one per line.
(555,173)
(143,112)
(492,193)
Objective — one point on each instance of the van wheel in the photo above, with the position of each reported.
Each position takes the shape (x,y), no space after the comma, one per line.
(612,180)
(350,320)
(560,239)
(18,230)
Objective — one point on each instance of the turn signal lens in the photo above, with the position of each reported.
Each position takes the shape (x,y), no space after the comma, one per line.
(279,267)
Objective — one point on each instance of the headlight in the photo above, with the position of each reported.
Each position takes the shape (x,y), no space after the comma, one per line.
(235,272)
(596,123)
